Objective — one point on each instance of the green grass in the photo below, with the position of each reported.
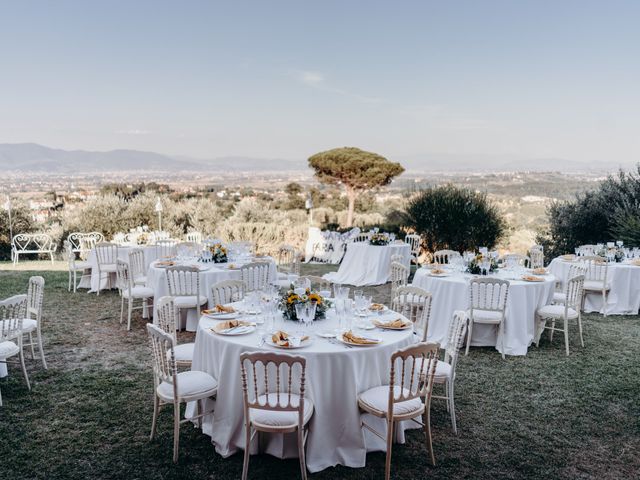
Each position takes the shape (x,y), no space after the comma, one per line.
(539,416)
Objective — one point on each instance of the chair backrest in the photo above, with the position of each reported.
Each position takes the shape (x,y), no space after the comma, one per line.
(397,257)
(317,283)
(455,338)
(444,256)
(228,291)
(167,316)
(489,294)
(415,304)
(166,248)
(118,238)
(12,312)
(413,240)
(597,268)
(536,254)
(516,259)
(164,359)
(575,269)
(75,240)
(574,292)
(195,237)
(35,297)
(288,260)
(255,275)
(412,372)
(183,281)
(399,276)
(106,253)
(124,278)
(93,238)
(270,381)
(137,265)
(32,241)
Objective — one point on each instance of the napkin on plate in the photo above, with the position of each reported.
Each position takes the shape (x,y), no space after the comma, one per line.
(283,339)
(532,278)
(397,323)
(376,307)
(351,337)
(540,271)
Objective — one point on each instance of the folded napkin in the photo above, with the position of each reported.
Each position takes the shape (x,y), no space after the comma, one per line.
(437,271)
(636,262)
(569,256)
(397,323)
(351,337)
(223,309)
(283,339)
(376,307)
(540,271)
(531,278)
(166,263)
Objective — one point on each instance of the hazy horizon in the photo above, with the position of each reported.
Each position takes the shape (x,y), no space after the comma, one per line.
(283,80)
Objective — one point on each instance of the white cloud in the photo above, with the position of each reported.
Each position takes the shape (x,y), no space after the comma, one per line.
(318,81)
(313,79)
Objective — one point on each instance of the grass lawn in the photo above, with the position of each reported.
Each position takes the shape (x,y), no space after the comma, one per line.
(539,416)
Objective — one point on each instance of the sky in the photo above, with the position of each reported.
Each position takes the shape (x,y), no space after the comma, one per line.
(286,79)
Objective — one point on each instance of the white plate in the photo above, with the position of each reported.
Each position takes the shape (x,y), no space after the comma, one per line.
(326,334)
(245,329)
(406,327)
(339,337)
(438,274)
(303,344)
(222,316)
(382,310)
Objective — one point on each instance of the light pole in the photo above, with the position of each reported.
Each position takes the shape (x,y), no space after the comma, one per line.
(7,207)
(159,212)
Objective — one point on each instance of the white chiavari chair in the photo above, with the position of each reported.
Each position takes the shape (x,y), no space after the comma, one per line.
(138,267)
(227,291)
(167,318)
(407,396)
(131,292)
(274,408)
(444,256)
(175,388)
(399,276)
(106,258)
(75,266)
(516,259)
(569,311)
(596,278)
(488,306)
(559,297)
(317,283)
(415,304)
(536,254)
(166,248)
(413,240)
(193,237)
(255,276)
(12,312)
(32,321)
(183,284)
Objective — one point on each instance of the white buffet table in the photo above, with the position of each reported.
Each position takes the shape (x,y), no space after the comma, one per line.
(365,264)
(335,375)
(452,293)
(624,296)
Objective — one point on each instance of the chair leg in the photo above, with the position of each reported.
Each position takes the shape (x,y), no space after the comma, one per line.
(566,336)
(469,333)
(452,408)
(501,333)
(44,361)
(129,313)
(121,308)
(99,281)
(303,463)
(387,464)
(24,369)
(176,430)
(247,450)
(580,329)
(426,420)
(33,352)
(604,303)
(553,326)
(69,288)
(156,409)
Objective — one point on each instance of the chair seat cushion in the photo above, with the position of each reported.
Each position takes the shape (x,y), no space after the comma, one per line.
(284,420)
(188,301)
(184,352)
(376,400)
(82,265)
(443,371)
(108,267)
(141,281)
(559,297)
(138,292)
(595,285)
(486,316)
(8,349)
(191,385)
(29,325)
(556,311)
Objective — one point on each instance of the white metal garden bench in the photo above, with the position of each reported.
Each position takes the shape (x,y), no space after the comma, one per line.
(31,243)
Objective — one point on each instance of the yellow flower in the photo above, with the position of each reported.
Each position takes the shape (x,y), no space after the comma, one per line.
(315,297)
(292,298)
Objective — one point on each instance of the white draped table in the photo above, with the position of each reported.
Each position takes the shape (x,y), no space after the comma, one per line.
(335,375)
(452,293)
(624,296)
(365,264)
(150,254)
(210,274)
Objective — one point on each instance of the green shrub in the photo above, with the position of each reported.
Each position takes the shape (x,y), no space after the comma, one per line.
(454,218)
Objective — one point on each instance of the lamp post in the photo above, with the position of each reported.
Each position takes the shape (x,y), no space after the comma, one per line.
(159,212)
(7,207)
(308,204)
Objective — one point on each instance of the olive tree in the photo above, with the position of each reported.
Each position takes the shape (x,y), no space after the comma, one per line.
(356,170)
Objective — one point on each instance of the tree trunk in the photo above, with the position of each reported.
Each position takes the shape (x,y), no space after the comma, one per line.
(351,195)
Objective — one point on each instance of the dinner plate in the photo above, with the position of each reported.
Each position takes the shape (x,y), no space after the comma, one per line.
(303,344)
(438,274)
(382,325)
(538,280)
(222,316)
(378,342)
(383,309)
(326,334)
(240,330)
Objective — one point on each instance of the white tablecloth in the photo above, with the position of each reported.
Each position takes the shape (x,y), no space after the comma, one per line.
(211,273)
(365,264)
(150,255)
(624,296)
(335,376)
(452,293)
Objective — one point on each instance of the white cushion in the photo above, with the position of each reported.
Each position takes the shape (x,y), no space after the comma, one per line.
(595,285)
(486,316)
(559,297)
(191,385)
(443,371)
(28,325)
(140,281)
(138,292)
(556,311)
(108,267)
(82,265)
(270,418)
(188,302)
(377,399)
(7,349)
(184,352)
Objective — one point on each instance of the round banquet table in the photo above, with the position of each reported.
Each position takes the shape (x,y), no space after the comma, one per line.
(624,279)
(94,283)
(365,264)
(335,375)
(452,293)
(210,274)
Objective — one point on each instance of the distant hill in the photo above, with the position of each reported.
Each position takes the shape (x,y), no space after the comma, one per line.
(38,158)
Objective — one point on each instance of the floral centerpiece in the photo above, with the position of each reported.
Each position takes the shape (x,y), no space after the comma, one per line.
(290,299)
(475,264)
(612,253)
(379,239)
(218,252)
(143,238)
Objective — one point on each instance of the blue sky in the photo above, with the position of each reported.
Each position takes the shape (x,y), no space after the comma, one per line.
(284,79)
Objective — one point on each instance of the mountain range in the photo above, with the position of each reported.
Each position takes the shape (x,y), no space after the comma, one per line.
(31,157)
